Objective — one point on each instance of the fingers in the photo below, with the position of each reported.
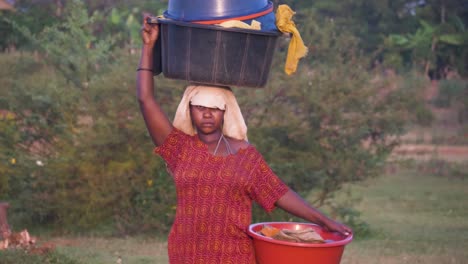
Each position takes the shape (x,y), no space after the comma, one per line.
(346,231)
(145,29)
(340,228)
(146,15)
(146,26)
(149,29)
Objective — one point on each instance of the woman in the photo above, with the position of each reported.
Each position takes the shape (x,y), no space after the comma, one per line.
(216,171)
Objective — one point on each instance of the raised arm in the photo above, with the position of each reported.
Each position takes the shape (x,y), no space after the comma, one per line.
(292,203)
(156,120)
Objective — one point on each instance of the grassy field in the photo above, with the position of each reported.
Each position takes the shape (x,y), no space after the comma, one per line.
(415,218)
(418,218)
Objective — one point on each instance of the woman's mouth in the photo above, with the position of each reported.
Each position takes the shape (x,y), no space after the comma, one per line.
(207,124)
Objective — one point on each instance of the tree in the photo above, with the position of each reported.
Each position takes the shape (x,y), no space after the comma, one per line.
(79,145)
(440,40)
(26,13)
(333,123)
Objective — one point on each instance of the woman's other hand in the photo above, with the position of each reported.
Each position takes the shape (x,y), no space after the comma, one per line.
(334,226)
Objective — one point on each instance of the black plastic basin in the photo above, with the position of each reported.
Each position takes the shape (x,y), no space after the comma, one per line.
(215,55)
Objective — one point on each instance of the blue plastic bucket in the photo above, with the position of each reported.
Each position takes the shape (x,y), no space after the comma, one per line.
(197,10)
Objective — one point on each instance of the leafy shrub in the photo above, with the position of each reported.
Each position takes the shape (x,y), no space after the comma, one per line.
(450,91)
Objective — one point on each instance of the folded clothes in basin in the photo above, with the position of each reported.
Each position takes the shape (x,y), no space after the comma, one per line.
(307,235)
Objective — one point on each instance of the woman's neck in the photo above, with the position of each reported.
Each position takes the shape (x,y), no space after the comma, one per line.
(216,143)
(210,139)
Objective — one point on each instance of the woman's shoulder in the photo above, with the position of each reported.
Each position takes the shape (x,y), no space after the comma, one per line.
(177,137)
(238,144)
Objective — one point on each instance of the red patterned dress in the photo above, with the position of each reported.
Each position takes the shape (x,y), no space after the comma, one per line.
(214,200)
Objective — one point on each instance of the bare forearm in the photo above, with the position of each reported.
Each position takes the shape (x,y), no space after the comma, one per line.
(145,82)
(156,121)
(292,203)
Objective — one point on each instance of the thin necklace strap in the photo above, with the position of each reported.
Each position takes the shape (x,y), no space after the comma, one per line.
(228,146)
(226,142)
(217,145)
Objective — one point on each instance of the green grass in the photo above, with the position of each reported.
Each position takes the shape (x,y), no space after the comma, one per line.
(415,218)
(130,250)
(93,250)
(17,257)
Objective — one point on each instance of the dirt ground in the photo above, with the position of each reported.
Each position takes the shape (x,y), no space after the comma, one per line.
(428,152)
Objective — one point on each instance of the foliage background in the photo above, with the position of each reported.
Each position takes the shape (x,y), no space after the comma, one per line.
(74,152)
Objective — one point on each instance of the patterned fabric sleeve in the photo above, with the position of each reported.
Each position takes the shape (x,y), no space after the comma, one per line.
(266,187)
(172,147)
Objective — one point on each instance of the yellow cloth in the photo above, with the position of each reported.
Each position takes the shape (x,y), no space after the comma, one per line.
(211,96)
(255,25)
(296,49)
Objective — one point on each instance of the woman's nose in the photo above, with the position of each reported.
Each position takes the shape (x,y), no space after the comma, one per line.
(207,112)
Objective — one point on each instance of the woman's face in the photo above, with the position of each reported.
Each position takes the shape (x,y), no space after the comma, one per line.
(206,120)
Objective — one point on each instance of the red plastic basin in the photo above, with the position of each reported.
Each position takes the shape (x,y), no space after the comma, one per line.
(272,251)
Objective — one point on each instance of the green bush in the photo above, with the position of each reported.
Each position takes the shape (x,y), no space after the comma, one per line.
(451,91)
